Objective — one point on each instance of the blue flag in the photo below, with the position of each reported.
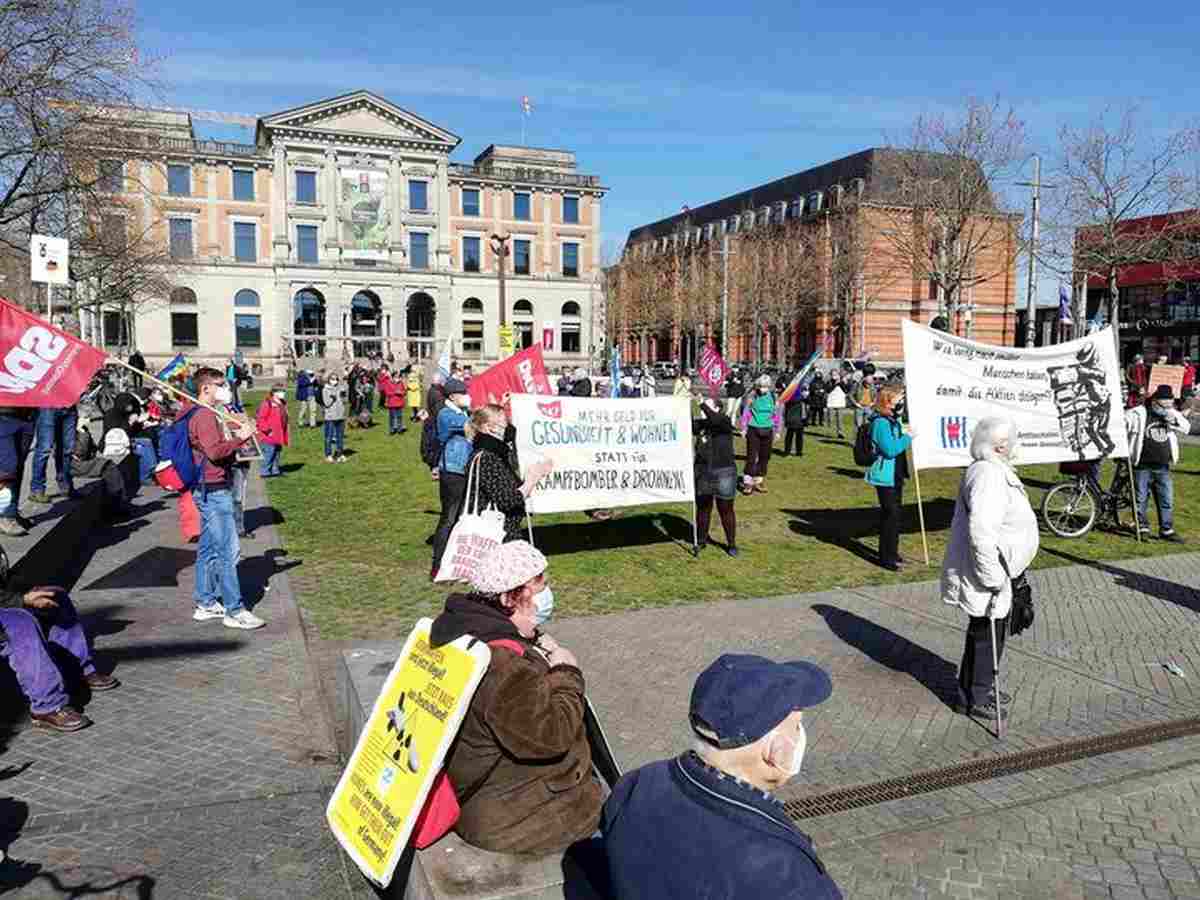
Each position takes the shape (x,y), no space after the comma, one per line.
(1064,306)
(172,367)
(614,374)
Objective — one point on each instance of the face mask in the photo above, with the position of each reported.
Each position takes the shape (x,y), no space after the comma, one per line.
(1163,408)
(762,388)
(543,606)
(279,395)
(800,743)
(224,394)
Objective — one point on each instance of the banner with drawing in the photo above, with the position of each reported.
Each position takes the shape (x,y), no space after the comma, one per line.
(606,452)
(1065,399)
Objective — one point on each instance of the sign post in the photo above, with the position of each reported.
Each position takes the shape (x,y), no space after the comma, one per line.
(48,264)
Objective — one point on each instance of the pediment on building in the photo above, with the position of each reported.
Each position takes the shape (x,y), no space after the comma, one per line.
(361,115)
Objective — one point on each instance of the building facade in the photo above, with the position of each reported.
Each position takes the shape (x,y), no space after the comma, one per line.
(841,209)
(345,229)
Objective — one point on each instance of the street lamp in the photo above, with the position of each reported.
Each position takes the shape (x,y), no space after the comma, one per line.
(500,248)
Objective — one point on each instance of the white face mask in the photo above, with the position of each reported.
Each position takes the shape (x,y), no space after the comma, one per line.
(543,605)
(800,744)
(279,395)
(224,394)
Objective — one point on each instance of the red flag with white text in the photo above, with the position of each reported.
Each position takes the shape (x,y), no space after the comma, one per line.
(712,368)
(521,373)
(41,365)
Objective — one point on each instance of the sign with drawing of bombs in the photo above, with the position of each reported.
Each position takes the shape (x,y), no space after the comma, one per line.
(401,749)
(606,453)
(1065,399)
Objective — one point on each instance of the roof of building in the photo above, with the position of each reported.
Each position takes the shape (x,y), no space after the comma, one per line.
(872,166)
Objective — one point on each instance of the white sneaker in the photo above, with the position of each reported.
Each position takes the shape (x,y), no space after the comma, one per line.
(243,618)
(204,613)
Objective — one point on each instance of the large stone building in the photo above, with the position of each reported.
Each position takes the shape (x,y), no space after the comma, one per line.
(858,290)
(345,228)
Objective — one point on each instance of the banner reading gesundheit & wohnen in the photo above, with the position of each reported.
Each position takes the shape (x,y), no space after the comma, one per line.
(40,365)
(606,452)
(1065,399)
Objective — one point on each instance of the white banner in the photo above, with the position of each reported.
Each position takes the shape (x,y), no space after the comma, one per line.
(48,259)
(1065,399)
(606,452)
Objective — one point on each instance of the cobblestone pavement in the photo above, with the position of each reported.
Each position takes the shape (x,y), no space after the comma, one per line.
(206,772)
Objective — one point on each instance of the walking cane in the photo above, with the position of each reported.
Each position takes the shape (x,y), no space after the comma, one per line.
(995,671)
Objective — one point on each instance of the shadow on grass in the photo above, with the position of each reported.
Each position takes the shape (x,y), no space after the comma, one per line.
(624,531)
(291,467)
(846,528)
(1161,588)
(856,474)
(898,653)
(263,516)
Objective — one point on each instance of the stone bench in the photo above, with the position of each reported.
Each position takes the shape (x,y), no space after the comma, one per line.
(450,868)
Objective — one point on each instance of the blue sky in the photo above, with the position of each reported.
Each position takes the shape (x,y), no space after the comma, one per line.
(670,103)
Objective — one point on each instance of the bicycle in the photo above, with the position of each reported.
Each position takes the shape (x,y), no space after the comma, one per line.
(1071,509)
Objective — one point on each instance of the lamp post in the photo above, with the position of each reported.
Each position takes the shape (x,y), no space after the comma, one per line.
(500,248)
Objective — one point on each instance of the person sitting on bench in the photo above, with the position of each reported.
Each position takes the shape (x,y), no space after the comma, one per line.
(521,766)
(29,620)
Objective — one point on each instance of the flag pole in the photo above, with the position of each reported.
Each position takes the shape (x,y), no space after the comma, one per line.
(221,414)
(920,504)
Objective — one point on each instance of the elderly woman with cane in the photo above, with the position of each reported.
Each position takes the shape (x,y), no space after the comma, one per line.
(993,540)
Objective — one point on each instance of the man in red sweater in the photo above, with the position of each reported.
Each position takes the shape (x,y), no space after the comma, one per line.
(218,594)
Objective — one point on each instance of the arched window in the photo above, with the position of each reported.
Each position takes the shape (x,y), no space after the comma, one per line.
(571,328)
(183,295)
(246,297)
(421,313)
(523,308)
(308,321)
(472,327)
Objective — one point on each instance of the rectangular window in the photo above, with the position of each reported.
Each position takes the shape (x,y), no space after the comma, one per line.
(470,202)
(244,243)
(112,176)
(306,243)
(248,330)
(521,257)
(418,196)
(116,330)
(470,254)
(243,184)
(306,187)
(185,329)
(570,337)
(179,180)
(181,238)
(570,260)
(418,250)
(472,337)
(521,207)
(570,210)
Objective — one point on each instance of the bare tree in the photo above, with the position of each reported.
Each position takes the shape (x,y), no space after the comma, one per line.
(1114,170)
(945,224)
(790,286)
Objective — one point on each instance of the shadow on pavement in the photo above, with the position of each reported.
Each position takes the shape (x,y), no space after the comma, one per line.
(167,650)
(263,516)
(846,528)
(1171,591)
(256,571)
(153,568)
(623,531)
(889,649)
(15,874)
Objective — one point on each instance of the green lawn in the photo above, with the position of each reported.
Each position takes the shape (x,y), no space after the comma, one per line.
(359,529)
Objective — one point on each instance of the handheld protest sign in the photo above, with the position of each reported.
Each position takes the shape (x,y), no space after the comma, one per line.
(401,749)
(602,755)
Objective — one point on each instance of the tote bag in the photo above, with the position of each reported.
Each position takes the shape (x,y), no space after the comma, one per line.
(476,533)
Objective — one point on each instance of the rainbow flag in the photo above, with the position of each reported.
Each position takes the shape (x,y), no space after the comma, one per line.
(790,391)
(174,366)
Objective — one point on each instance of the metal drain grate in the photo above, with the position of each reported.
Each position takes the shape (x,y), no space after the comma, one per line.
(987,769)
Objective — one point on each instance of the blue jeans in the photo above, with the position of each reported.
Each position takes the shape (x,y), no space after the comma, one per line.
(16,438)
(335,435)
(396,420)
(55,430)
(217,553)
(147,457)
(238,474)
(270,460)
(1164,496)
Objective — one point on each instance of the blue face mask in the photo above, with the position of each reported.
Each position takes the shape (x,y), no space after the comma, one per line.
(543,605)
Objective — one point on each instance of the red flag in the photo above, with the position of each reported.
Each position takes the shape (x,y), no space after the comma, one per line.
(522,373)
(712,368)
(41,365)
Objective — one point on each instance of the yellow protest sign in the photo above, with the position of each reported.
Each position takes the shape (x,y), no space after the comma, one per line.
(401,749)
(507,346)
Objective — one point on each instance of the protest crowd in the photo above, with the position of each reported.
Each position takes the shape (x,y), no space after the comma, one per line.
(522,765)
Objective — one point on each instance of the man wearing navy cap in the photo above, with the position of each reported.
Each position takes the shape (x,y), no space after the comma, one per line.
(706,824)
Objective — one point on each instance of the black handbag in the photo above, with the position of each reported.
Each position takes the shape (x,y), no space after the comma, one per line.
(1022,614)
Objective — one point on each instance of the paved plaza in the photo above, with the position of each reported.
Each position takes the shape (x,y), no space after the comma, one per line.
(206,773)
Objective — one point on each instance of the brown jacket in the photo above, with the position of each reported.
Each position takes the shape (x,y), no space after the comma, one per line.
(521,765)
(212,444)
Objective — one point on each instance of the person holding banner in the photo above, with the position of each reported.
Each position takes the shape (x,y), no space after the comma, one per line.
(522,765)
(499,484)
(760,422)
(993,539)
(715,473)
(889,470)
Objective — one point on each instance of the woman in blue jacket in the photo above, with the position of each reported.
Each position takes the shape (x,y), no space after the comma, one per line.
(888,471)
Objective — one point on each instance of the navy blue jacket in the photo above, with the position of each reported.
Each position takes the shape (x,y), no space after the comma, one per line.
(679,828)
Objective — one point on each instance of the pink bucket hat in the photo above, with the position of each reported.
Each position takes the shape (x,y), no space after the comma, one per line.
(508,566)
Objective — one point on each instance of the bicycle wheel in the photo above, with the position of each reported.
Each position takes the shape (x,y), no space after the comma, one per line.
(1069,509)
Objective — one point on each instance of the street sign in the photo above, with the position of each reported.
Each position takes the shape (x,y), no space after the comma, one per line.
(506,341)
(48,259)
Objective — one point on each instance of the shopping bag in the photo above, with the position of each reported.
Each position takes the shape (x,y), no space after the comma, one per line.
(477,532)
(189,517)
